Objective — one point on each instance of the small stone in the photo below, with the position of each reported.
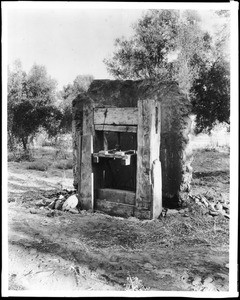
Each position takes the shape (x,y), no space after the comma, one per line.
(213,212)
(71,202)
(33,211)
(73,211)
(219,207)
(172,212)
(227,266)
(209,287)
(58,204)
(186,215)
(225,206)
(52,204)
(197,280)
(211,206)
(148,266)
(61,197)
(207,280)
(204,201)
(134,219)
(11,200)
(40,203)
(50,214)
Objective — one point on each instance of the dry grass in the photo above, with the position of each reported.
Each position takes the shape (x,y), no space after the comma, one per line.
(64,164)
(40,165)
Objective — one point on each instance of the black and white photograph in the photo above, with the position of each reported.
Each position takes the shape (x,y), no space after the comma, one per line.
(120,149)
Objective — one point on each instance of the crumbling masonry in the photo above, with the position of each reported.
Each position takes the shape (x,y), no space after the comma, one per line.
(130,147)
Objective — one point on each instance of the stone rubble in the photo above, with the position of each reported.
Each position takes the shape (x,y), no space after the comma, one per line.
(221,207)
(66,201)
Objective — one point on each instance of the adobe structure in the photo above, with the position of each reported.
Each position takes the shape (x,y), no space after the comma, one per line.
(130,147)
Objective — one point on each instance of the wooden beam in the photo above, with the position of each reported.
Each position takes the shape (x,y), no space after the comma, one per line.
(116,195)
(116,116)
(148,189)
(86,182)
(115,209)
(116,128)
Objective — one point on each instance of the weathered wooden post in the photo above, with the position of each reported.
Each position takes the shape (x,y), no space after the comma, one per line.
(149,187)
(85,185)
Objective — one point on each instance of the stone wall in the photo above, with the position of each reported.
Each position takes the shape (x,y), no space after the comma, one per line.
(175,155)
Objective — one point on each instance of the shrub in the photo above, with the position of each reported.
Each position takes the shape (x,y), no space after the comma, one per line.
(18,156)
(38,165)
(64,164)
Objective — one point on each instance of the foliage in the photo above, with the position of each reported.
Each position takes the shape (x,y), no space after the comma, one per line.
(171,45)
(211,96)
(30,103)
(68,93)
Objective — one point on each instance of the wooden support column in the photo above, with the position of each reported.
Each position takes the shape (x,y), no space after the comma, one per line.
(149,190)
(86,177)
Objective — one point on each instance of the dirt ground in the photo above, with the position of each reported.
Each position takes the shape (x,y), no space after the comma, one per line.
(186,250)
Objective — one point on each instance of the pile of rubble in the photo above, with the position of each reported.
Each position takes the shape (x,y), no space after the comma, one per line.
(62,202)
(221,207)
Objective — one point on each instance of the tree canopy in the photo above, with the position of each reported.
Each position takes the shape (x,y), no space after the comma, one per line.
(30,103)
(171,45)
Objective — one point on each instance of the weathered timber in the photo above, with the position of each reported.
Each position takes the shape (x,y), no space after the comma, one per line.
(147,195)
(116,128)
(86,188)
(116,195)
(116,116)
(157,189)
(114,208)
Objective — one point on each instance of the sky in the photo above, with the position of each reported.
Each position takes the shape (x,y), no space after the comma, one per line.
(69,40)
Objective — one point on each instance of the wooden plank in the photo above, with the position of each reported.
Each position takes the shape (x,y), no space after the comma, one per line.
(116,116)
(86,182)
(114,209)
(148,151)
(116,195)
(116,128)
(157,189)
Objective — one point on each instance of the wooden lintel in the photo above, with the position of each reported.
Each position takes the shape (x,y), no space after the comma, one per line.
(116,116)
(116,128)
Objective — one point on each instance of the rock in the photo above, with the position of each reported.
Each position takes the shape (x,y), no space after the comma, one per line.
(61,197)
(225,197)
(71,202)
(209,287)
(204,201)
(40,203)
(11,200)
(197,280)
(148,266)
(50,214)
(227,266)
(58,204)
(225,206)
(207,280)
(213,212)
(33,211)
(52,204)
(219,207)
(73,211)
(134,219)
(172,212)
(211,206)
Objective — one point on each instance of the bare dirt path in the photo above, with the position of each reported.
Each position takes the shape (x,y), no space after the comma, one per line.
(56,250)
